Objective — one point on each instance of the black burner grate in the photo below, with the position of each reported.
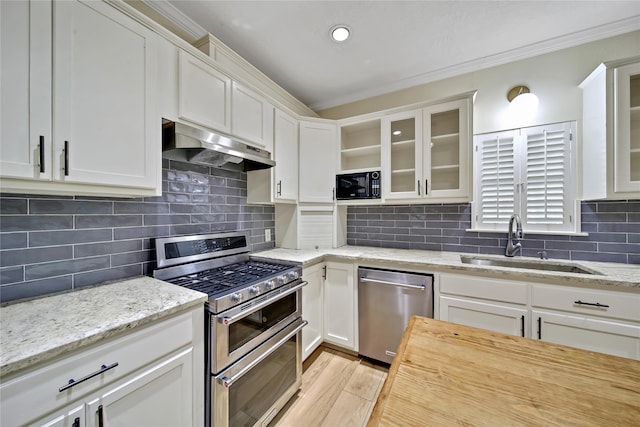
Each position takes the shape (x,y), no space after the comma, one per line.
(223,279)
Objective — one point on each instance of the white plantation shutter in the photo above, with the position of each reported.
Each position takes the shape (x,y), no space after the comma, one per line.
(526,171)
(495,170)
(546,172)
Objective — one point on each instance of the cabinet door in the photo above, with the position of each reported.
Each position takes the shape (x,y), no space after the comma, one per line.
(627,134)
(587,333)
(340,316)
(204,93)
(312,309)
(446,149)
(251,117)
(318,158)
(105,126)
(402,155)
(68,417)
(286,157)
(25,89)
(494,317)
(161,395)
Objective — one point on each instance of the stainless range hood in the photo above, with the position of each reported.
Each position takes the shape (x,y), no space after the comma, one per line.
(194,145)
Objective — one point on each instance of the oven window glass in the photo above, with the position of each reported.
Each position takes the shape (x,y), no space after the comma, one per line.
(256,323)
(256,392)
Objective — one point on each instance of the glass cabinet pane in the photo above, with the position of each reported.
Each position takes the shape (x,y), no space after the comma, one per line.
(445,150)
(403,155)
(634,111)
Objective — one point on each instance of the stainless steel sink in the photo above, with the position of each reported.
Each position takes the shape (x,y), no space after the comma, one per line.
(528,264)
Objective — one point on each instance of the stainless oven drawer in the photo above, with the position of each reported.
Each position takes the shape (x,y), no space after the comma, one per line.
(236,332)
(254,389)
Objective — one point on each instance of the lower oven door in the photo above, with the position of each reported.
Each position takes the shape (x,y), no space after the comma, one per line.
(252,391)
(239,330)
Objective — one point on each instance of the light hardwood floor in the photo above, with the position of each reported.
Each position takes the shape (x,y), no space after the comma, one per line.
(337,390)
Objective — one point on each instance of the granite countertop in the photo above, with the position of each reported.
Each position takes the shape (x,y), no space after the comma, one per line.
(613,274)
(38,330)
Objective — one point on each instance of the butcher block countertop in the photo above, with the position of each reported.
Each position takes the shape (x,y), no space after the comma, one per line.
(451,375)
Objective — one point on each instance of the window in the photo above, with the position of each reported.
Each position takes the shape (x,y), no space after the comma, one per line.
(528,171)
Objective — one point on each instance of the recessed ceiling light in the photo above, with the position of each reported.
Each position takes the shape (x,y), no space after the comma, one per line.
(339,33)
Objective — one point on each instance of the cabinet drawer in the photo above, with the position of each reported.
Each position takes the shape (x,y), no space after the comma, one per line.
(36,393)
(621,305)
(485,288)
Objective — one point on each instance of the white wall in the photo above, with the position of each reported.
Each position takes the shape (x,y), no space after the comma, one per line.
(553,77)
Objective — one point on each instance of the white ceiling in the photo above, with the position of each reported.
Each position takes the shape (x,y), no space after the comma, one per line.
(394,44)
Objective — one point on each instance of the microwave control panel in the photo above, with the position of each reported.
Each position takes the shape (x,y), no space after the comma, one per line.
(375,184)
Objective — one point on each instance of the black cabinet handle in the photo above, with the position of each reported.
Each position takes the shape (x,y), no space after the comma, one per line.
(539,328)
(426,187)
(66,158)
(76,422)
(279,188)
(592,304)
(522,325)
(41,150)
(418,187)
(100,413)
(72,382)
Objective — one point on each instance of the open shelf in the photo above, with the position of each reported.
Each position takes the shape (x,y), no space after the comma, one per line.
(360,146)
(445,167)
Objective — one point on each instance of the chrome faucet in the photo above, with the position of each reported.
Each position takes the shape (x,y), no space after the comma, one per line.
(514,236)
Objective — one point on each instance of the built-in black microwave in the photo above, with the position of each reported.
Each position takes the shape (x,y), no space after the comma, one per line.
(360,185)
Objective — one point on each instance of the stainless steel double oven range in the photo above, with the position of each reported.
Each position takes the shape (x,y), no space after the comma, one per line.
(253,323)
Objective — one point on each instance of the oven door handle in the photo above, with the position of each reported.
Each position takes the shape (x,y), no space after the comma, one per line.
(227,320)
(228,382)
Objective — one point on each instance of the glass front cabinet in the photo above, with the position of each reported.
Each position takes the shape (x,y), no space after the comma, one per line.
(426,153)
(611,131)
(627,128)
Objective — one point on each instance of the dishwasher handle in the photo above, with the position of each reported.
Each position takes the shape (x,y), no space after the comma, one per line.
(386,282)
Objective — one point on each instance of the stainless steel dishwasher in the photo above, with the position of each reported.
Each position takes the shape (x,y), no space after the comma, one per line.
(386,301)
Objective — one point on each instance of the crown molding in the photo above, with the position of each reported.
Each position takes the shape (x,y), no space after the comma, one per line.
(627,25)
(182,21)
(548,46)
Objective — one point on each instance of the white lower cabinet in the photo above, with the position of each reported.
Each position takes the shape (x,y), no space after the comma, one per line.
(340,305)
(149,377)
(592,319)
(497,305)
(486,315)
(588,333)
(597,320)
(312,308)
(157,396)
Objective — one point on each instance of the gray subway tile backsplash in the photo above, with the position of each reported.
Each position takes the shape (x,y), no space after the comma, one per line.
(59,243)
(613,227)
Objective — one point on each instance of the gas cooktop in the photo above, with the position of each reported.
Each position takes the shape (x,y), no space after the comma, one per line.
(219,265)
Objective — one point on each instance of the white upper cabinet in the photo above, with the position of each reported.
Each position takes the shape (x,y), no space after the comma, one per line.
(280,183)
(447,148)
(286,157)
(204,93)
(318,157)
(627,130)
(426,153)
(402,155)
(104,104)
(25,89)
(251,117)
(101,73)
(611,131)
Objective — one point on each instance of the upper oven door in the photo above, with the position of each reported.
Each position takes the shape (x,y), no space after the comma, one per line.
(239,330)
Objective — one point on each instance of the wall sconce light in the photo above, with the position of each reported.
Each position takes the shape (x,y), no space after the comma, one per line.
(523,102)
